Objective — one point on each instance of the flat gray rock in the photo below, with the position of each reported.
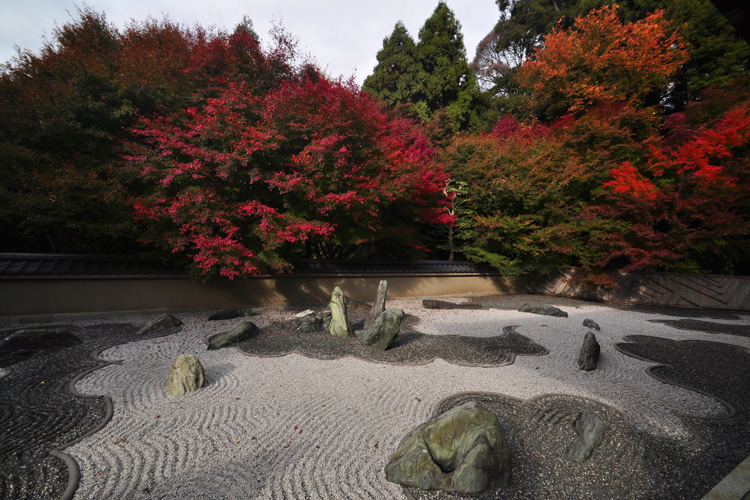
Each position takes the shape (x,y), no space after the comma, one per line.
(444,304)
(163,323)
(237,312)
(241,332)
(590,323)
(544,310)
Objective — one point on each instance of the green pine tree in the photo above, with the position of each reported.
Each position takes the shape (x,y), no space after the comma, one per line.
(398,77)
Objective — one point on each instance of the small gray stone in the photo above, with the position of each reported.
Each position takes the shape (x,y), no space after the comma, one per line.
(185,375)
(379,305)
(544,310)
(590,430)
(339,326)
(241,332)
(163,323)
(462,451)
(588,357)
(383,330)
(590,323)
(444,304)
(238,312)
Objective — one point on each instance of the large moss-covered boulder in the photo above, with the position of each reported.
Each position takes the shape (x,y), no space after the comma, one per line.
(462,451)
(162,324)
(544,310)
(339,326)
(383,331)
(241,332)
(185,375)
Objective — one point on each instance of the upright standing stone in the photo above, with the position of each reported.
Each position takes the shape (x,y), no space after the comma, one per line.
(185,375)
(588,357)
(379,305)
(339,326)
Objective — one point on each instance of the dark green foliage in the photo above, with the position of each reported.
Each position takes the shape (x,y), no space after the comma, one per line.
(398,78)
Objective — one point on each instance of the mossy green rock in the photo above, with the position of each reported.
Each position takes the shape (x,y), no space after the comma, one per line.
(339,326)
(383,330)
(461,451)
(185,375)
(241,332)
(590,430)
(163,323)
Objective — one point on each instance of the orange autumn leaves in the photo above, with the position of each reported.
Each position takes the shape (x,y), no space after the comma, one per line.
(603,59)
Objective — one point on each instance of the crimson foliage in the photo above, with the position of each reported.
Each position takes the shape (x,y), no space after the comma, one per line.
(242,181)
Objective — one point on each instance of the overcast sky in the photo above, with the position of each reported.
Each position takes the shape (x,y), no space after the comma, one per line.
(344,36)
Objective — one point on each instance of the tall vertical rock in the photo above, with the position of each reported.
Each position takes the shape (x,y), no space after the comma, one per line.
(379,305)
(339,326)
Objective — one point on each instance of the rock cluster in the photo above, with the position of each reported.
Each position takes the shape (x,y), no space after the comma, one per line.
(185,375)
(462,451)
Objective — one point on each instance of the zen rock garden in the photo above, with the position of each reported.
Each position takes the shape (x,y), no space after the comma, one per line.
(462,450)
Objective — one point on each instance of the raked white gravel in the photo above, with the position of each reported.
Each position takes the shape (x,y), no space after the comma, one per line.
(294,427)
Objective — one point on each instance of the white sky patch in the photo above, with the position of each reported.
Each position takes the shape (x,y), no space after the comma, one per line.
(343,36)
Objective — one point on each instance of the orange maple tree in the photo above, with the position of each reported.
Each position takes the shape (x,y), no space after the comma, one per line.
(602,59)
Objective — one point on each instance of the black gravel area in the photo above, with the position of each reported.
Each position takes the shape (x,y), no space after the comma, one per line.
(629,464)
(409,348)
(38,412)
(705,326)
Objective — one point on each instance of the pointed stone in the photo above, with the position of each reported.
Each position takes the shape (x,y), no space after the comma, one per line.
(339,326)
(163,323)
(379,305)
(383,330)
(185,375)
(241,332)
(590,323)
(462,451)
(590,430)
(588,357)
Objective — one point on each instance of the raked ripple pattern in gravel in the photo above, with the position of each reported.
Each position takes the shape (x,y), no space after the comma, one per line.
(294,427)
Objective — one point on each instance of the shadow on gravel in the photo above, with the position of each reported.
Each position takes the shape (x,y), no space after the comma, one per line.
(39,413)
